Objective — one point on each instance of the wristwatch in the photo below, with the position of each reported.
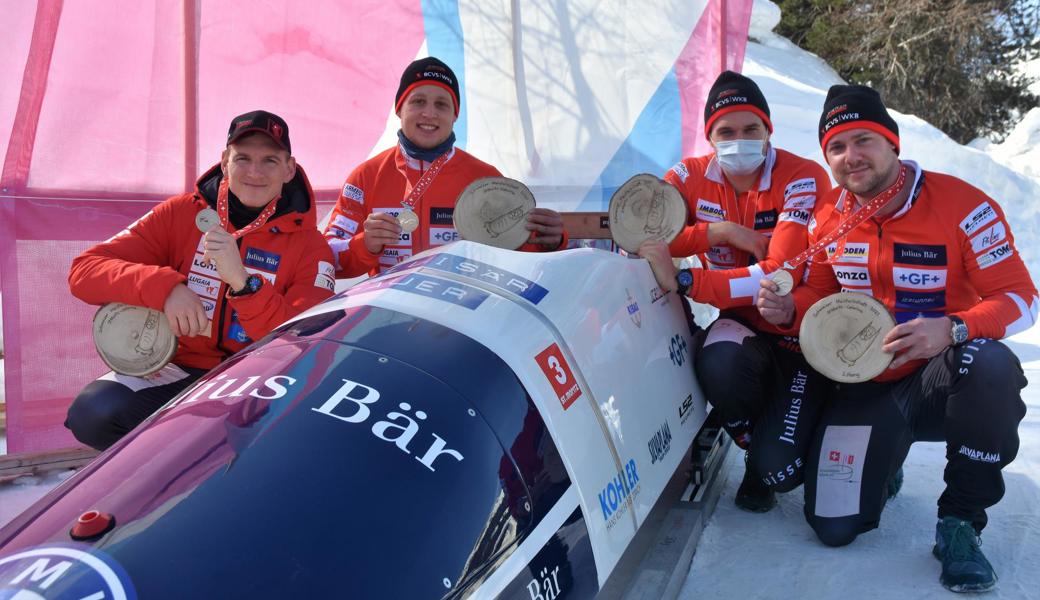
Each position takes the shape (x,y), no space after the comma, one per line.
(685,280)
(253,283)
(958,330)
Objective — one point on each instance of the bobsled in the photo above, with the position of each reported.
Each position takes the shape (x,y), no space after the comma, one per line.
(473,423)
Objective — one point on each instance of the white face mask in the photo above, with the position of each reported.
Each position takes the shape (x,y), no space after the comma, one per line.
(740,157)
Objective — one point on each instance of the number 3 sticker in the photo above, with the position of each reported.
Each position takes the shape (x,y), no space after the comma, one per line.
(558,372)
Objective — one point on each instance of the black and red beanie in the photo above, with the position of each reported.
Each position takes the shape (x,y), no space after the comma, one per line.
(427,71)
(732,92)
(854,107)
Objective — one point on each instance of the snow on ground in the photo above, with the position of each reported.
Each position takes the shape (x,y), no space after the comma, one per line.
(776,555)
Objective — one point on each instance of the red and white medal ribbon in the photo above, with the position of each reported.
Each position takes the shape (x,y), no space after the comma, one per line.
(849,223)
(222,212)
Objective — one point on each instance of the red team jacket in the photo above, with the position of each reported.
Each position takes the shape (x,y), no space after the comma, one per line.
(142,263)
(947,251)
(378,186)
(779,208)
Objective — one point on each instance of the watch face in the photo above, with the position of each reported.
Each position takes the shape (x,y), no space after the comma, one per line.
(254,282)
(685,278)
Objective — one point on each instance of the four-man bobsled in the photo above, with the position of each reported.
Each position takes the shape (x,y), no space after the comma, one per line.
(475,423)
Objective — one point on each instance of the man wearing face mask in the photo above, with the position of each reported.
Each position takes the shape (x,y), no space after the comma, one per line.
(419,180)
(748,206)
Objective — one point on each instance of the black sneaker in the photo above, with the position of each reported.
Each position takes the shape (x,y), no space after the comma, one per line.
(964,567)
(895,484)
(753,495)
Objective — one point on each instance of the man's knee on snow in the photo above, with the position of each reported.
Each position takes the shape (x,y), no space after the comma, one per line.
(93,417)
(835,532)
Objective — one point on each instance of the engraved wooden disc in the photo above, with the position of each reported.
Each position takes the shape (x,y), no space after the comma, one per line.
(133,340)
(841,337)
(645,208)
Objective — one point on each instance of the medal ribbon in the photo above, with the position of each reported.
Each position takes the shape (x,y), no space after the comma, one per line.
(414,194)
(849,223)
(222,212)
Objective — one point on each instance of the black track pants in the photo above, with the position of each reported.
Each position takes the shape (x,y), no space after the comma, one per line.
(968,397)
(111,405)
(768,396)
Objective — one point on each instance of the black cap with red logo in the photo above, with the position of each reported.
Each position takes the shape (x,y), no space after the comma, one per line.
(264,122)
(426,71)
(732,92)
(856,107)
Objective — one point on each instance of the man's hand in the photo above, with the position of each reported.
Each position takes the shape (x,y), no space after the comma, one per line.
(778,310)
(222,251)
(185,313)
(381,229)
(546,227)
(920,338)
(656,253)
(738,236)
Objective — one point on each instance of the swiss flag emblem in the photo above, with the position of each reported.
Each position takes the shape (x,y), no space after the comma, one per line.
(835,456)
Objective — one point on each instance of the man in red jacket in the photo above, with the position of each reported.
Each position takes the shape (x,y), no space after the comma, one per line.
(219,290)
(424,173)
(748,204)
(940,256)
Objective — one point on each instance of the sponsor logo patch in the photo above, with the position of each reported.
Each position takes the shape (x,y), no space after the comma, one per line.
(451,292)
(685,409)
(677,350)
(795,216)
(989,236)
(443,235)
(765,219)
(62,572)
(262,259)
(681,172)
(853,253)
(903,316)
(203,267)
(616,496)
(800,202)
(392,255)
(919,254)
(354,403)
(709,212)
(980,456)
(204,286)
(441,215)
(326,277)
(632,308)
(920,300)
(491,275)
(559,375)
(800,186)
(354,193)
(919,279)
(851,276)
(995,255)
(721,255)
(660,444)
(345,223)
(981,216)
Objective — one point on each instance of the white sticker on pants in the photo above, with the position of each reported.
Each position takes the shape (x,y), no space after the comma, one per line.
(840,474)
(726,330)
(170,373)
